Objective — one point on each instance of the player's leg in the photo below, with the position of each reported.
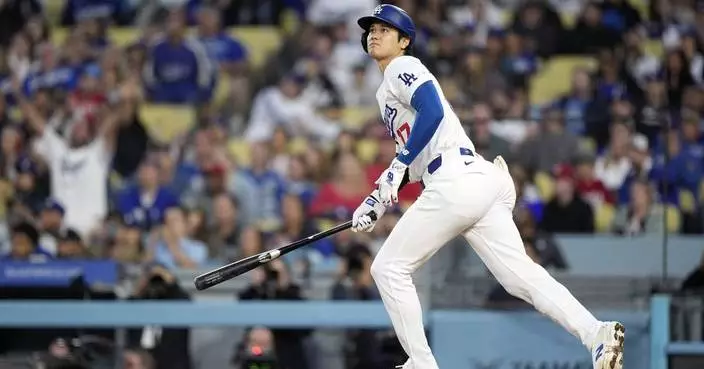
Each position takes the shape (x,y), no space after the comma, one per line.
(497,241)
(426,226)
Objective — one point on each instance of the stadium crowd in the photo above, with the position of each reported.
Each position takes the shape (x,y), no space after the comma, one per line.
(273,159)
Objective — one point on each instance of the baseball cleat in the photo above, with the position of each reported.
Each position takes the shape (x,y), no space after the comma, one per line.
(607,351)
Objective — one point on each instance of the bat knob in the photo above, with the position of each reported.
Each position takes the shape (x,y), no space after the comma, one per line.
(200,284)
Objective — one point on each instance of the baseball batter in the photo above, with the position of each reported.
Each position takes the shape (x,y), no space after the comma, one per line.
(463,194)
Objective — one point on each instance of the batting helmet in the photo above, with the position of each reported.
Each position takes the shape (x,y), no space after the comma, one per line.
(391,15)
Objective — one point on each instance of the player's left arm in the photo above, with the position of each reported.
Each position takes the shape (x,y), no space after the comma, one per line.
(414,86)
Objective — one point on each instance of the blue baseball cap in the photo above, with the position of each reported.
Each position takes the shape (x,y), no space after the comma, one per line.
(55,205)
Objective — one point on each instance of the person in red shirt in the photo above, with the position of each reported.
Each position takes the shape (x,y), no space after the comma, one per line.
(340,196)
(587,185)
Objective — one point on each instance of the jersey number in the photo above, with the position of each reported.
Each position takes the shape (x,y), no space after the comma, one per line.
(403,132)
(407,78)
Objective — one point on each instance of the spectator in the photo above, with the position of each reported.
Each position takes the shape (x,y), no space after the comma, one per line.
(178,69)
(541,26)
(518,64)
(574,105)
(29,197)
(653,112)
(79,166)
(677,77)
(257,349)
(613,166)
(589,187)
(299,181)
(268,186)
(227,53)
(14,14)
(566,212)
(285,105)
(488,144)
(146,202)
(641,215)
(25,244)
(172,248)
(51,220)
(225,230)
(619,15)
(75,11)
(127,246)
(641,164)
(552,147)
(675,169)
(341,195)
(50,74)
(590,36)
(70,246)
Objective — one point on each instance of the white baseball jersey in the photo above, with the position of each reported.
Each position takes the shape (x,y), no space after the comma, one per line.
(401,79)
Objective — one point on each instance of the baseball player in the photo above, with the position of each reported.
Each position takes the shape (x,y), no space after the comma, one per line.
(463,194)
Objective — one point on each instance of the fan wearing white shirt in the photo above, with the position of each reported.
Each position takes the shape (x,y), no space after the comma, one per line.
(79,166)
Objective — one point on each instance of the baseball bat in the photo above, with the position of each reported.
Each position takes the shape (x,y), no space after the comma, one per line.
(234,269)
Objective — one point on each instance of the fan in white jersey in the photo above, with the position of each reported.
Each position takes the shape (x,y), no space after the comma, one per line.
(463,195)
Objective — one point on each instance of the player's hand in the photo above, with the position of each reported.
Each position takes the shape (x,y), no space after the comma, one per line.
(390,181)
(361,220)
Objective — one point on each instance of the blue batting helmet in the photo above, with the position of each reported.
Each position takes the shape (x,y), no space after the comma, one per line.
(391,15)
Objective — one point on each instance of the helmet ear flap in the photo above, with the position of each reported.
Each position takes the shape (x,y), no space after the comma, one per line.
(364,40)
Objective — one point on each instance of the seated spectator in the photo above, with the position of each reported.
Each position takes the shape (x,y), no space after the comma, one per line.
(51,74)
(51,220)
(118,11)
(268,188)
(566,212)
(172,248)
(553,146)
(299,181)
(590,36)
(178,69)
(677,77)
(641,164)
(641,216)
(588,186)
(146,202)
(29,198)
(127,246)
(652,113)
(612,166)
(70,246)
(341,195)
(285,106)
(619,15)
(257,349)
(518,63)
(24,240)
(540,25)
(487,144)
(678,171)
(574,104)
(527,196)
(225,230)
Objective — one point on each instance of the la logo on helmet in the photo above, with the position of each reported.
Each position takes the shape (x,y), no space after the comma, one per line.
(377,10)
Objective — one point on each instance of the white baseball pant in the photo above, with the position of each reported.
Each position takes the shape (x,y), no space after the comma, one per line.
(475,200)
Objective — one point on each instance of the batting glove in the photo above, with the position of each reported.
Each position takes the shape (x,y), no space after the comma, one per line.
(390,181)
(362,220)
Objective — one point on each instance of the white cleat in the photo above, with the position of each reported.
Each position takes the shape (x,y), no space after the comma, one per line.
(607,351)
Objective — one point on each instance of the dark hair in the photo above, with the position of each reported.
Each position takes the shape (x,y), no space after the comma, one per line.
(27,229)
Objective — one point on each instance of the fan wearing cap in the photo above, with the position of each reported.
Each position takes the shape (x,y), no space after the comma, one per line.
(51,220)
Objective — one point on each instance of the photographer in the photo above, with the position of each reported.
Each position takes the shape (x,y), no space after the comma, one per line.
(273,282)
(354,282)
(257,351)
(168,346)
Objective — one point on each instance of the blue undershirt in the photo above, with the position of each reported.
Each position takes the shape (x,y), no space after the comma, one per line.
(429,114)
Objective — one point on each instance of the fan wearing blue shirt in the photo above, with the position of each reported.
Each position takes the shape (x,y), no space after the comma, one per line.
(226,52)
(74,11)
(178,69)
(146,202)
(51,74)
